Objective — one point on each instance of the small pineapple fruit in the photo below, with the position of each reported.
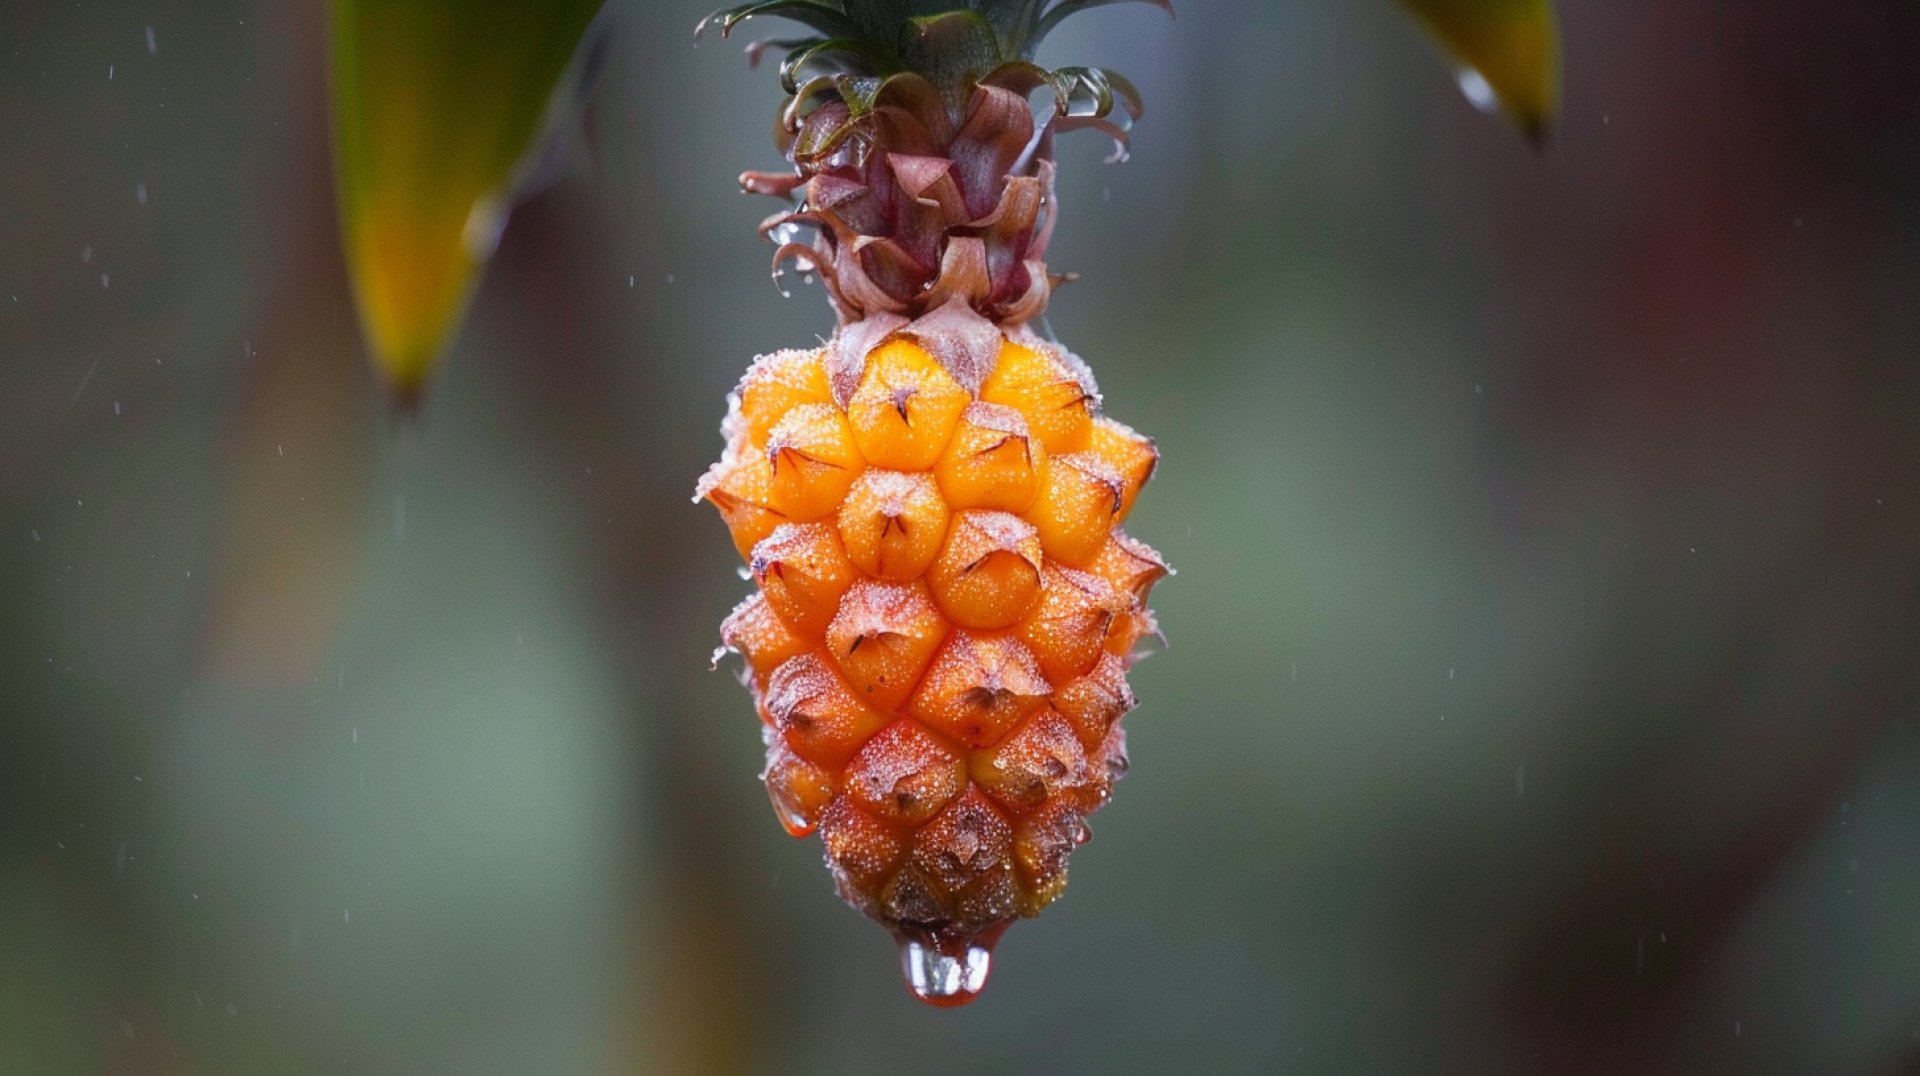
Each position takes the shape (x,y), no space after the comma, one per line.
(930,503)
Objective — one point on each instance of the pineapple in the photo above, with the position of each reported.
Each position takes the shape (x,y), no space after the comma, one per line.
(930,504)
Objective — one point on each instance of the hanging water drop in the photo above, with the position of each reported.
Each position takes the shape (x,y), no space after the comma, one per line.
(946,971)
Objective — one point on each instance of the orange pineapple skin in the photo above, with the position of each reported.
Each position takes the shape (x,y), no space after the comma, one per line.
(945,610)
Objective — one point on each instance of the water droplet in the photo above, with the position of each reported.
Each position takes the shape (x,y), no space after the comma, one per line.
(945,973)
(797,824)
(1478,90)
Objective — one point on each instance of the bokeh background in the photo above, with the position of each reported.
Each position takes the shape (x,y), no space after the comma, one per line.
(1543,673)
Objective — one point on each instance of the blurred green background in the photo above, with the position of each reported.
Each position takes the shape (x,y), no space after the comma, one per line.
(1544,654)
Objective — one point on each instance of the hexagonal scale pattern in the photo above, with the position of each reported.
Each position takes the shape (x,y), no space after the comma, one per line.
(945,611)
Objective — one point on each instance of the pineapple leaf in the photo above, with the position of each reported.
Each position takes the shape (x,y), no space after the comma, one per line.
(950,49)
(1509,52)
(812,14)
(436,107)
(821,51)
(1067,8)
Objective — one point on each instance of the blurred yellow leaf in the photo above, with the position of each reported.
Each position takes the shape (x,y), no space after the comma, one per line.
(1509,52)
(436,104)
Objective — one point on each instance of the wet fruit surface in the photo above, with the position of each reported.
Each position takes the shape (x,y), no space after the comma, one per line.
(938,645)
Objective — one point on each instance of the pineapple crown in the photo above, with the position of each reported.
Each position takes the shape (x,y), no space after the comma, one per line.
(927,177)
(860,44)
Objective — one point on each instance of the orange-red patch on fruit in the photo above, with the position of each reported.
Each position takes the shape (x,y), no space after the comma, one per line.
(893,523)
(883,637)
(905,407)
(993,461)
(988,573)
(979,687)
(1057,407)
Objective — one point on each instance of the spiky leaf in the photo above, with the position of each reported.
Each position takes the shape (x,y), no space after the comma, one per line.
(436,103)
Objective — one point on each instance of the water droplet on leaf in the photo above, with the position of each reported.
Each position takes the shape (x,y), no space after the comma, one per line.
(1478,90)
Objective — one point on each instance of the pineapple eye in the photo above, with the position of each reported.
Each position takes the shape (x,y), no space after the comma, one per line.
(1132,566)
(1075,615)
(1078,506)
(813,462)
(979,687)
(905,407)
(893,524)
(963,843)
(1127,454)
(778,383)
(883,637)
(992,461)
(1041,846)
(988,573)
(906,774)
(861,850)
(742,489)
(1094,702)
(822,719)
(1057,406)
(756,634)
(802,571)
(1039,760)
